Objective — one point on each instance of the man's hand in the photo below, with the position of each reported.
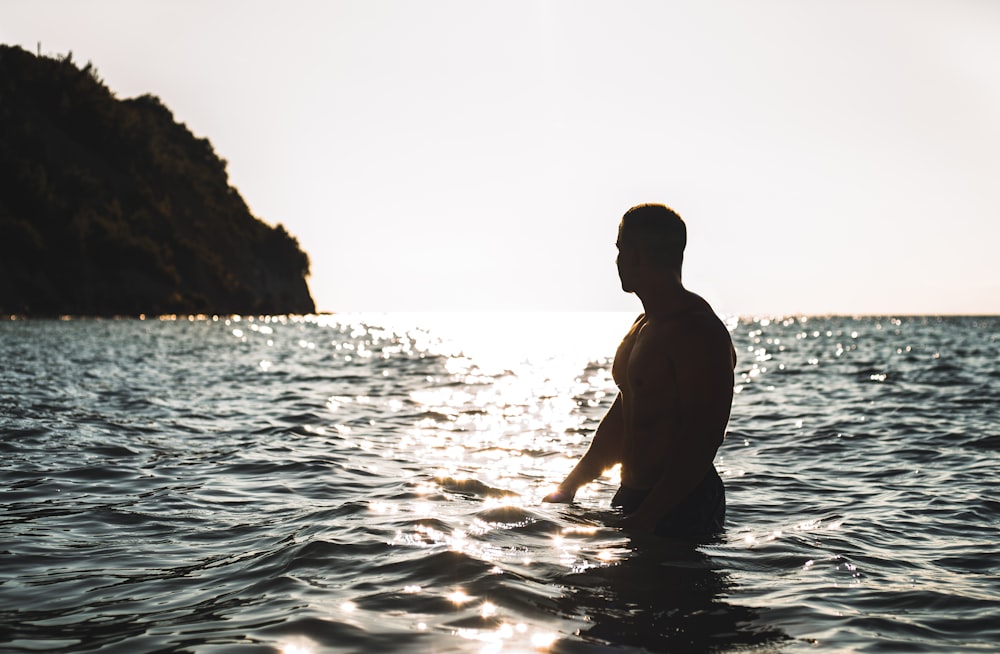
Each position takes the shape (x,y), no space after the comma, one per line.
(560,496)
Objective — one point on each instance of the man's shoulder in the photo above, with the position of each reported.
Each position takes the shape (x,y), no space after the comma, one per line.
(695,319)
(689,332)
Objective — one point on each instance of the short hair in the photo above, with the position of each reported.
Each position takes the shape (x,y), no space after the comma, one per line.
(658,231)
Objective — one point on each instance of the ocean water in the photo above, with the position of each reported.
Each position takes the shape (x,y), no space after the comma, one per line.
(372,483)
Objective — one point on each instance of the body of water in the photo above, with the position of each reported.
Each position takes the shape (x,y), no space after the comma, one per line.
(374,483)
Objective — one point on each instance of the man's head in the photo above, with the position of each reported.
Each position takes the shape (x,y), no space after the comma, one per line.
(653,235)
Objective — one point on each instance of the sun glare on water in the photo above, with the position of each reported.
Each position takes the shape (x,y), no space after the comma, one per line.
(513,385)
(496,342)
(507,403)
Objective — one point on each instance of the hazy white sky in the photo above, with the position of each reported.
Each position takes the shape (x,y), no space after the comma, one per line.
(430,155)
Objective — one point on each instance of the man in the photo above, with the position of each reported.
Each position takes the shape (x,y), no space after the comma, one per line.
(674,371)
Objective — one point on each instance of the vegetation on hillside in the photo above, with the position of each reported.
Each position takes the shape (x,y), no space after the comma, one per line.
(111,207)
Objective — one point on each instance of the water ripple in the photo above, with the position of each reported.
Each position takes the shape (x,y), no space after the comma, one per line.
(362,484)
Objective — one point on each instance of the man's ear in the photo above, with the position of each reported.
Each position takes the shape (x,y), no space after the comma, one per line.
(634,256)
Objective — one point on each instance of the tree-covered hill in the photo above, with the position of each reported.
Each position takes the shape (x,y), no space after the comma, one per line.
(111,207)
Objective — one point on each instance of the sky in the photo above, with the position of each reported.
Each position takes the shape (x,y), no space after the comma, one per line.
(828,157)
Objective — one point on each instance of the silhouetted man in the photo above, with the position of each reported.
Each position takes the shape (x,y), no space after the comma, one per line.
(674,371)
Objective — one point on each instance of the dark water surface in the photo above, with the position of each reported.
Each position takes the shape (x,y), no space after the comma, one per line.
(373,483)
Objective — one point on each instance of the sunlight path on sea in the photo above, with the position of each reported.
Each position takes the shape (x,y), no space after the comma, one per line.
(510,384)
(516,403)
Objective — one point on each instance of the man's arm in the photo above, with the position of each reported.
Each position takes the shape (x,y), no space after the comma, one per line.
(604,452)
(684,395)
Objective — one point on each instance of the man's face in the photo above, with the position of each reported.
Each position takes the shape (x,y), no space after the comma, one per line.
(626,262)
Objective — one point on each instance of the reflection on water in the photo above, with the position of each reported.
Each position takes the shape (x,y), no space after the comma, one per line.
(374,483)
(663,596)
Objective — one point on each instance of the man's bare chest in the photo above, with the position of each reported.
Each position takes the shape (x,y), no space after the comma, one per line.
(623,356)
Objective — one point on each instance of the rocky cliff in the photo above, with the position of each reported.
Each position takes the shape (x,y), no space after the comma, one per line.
(112,207)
